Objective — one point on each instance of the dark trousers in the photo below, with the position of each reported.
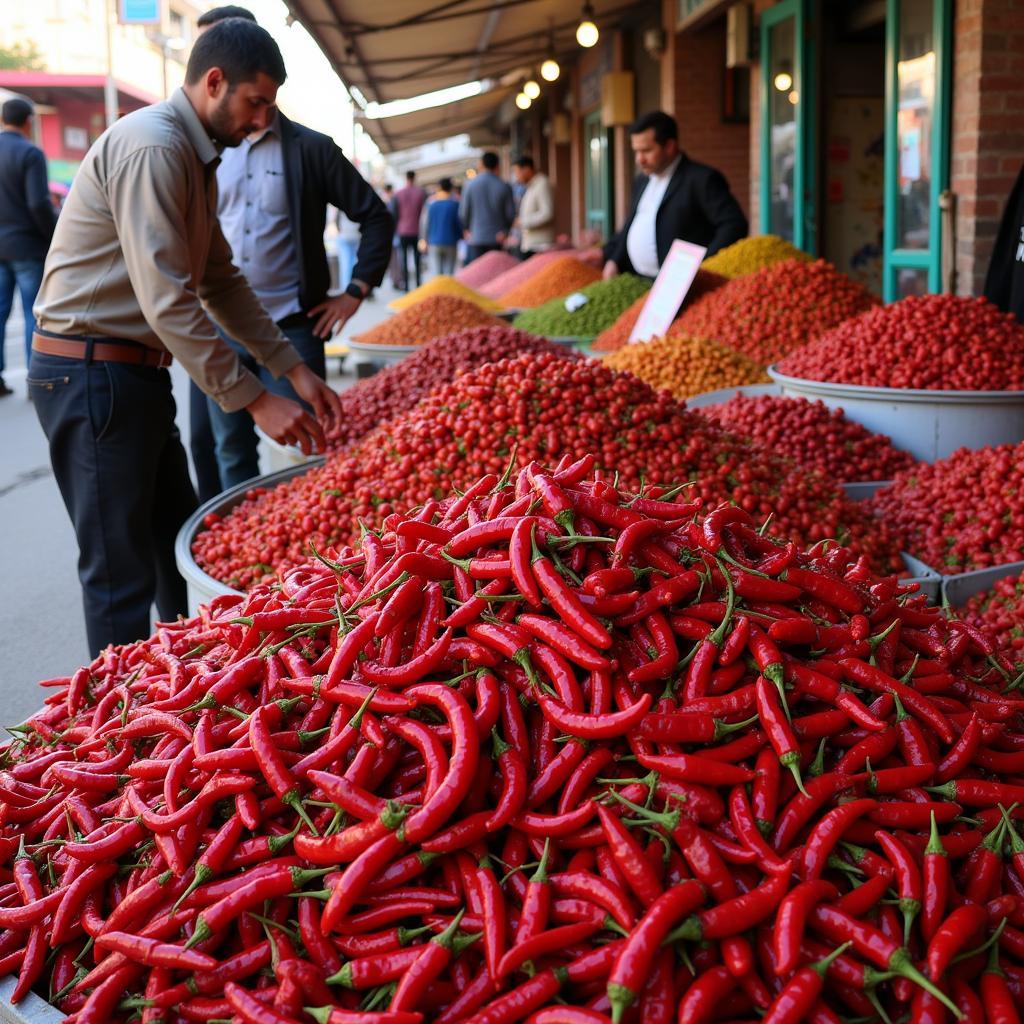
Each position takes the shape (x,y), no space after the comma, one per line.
(411,243)
(238,456)
(26,276)
(201,444)
(476,251)
(123,475)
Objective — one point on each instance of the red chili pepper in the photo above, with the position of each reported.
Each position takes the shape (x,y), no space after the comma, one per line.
(800,994)
(908,876)
(770,710)
(828,831)
(633,963)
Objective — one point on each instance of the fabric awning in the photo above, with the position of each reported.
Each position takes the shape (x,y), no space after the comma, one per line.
(404,131)
(404,48)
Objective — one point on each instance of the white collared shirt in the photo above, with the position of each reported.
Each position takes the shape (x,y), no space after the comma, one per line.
(641,241)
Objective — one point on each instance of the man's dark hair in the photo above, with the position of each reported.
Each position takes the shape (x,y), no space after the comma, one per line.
(524,161)
(16,112)
(240,48)
(446,184)
(216,14)
(490,160)
(389,187)
(410,175)
(663,126)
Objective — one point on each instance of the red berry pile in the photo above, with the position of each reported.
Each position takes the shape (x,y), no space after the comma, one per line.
(934,342)
(779,309)
(535,407)
(398,388)
(999,612)
(813,436)
(960,513)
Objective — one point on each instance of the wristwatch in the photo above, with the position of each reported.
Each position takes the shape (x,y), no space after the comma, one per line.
(357,290)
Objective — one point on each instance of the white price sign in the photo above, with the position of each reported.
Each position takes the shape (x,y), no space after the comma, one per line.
(669,290)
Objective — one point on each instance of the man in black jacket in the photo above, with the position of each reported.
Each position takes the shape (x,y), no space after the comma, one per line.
(26,219)
(273,196)
(673,197)
(1004,283)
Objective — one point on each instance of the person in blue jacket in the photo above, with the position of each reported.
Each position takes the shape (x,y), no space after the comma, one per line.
(444,229)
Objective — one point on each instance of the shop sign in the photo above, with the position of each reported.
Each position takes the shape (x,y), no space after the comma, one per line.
(669,290)
(138,12)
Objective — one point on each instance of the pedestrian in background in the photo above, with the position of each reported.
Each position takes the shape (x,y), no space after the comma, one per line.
(409,203)
(273,194)
(443,228)
(137,259)
(1004,282)
(27,219)
(487,209)
(536,219)
(348,245)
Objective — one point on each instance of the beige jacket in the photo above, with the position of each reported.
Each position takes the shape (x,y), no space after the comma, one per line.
(537,214)
(138,253)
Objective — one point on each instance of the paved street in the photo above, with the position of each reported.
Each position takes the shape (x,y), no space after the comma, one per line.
(41,627)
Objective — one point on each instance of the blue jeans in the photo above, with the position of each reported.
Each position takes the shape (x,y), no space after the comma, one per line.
(346,261)
(122,472)
(234,432)
(27,275)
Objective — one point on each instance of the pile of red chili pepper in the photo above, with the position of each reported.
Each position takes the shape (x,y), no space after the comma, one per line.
(537,406)
(543,751)
(937,342)
(959,513)
(999,611)
(779,309)
(812,435)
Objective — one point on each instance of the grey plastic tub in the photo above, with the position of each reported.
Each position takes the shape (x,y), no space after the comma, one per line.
(31,1010)
(275,456)
(201,586)
(960,588)
(722,395)
(928,581)
(861,490)
(928,424)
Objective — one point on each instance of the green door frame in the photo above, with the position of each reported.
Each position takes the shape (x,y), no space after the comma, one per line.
(804,172)
(930,259)
(600,189)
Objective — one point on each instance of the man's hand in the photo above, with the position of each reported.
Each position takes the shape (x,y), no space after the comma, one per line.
(332,314)
(500,237)
(311,389)
(611,269)
(286,422)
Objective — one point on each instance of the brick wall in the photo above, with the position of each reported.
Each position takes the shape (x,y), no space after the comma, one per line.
(699,65)
(988,126)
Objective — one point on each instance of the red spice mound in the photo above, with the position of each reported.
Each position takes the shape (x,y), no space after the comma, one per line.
(962,512)
(813,435)
(522,272)
(779,309)
(535,407)
(398,388)
(429,319)
(999,613)
(934,342)
(486,268)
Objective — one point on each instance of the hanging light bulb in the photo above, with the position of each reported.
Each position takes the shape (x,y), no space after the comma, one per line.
(523,101)
(550,70)
(783,81)
(532,89)
(587,33)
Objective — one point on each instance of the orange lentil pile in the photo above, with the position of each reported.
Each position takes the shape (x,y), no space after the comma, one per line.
(558,278)
(779,309)
(429,319)
(686,366)
(513,277)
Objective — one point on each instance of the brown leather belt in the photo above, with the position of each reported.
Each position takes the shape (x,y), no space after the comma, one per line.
(102,351)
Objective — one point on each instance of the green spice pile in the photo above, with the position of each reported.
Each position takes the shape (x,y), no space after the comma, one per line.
(605,302)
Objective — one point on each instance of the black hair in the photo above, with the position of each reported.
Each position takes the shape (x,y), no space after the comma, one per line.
(215,14)
(490,160)
(446,184)
(524,161)
(17,111)
(240,48)
(663,125)
(410,175)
